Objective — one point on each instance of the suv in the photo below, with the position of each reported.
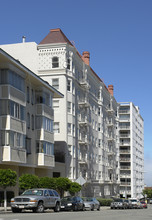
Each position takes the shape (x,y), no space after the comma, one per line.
(118,204)
(37,200)
(135,203)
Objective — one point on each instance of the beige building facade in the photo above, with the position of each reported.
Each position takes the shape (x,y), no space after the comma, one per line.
(26,120)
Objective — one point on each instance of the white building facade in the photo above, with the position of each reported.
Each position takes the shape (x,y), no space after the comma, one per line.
(86,120)
(131,150)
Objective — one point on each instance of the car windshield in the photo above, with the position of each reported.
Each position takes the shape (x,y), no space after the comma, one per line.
(33,192)
(69,199)
(133,200)
(118,200)
(88,199)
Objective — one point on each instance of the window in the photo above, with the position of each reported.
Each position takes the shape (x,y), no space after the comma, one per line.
(32,97)
(55,62)
(69,85)
(68,64)
(69,128)
(12,78)
(99,111)
(32,122)
(17,111)
(99,143)
(56,127)
(99,127)
(28,95)
(69,107)
(55,83)
(55,104)
(73,108)
(28,120)
(45,147)
(74,130)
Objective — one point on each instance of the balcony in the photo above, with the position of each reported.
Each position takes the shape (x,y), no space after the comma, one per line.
(125,183)
(42,109)
(83,161)
(124,127)
(124,151)
(44,160)
(124,135)
(125,175)
(125,167)
(84,122)
(14,155)
(124,159)
(83,141)
(84,84)
(84,103)
(124,111)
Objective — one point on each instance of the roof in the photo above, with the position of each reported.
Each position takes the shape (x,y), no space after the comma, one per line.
(55,36)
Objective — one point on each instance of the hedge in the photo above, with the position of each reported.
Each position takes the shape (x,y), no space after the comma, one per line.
(104,202)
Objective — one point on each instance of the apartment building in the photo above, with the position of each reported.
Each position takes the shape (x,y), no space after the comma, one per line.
(85,120)
(26,120)
(131,150)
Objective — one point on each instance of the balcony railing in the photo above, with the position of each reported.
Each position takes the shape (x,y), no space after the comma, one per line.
(124,159)
(125,167)
(124,151)
(84,103)
(84,84)
(42,109)
(14,155)
(44,160)
(124,135)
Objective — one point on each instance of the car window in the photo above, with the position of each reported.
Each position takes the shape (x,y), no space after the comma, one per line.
(55,193)
(46,193)
(51,193)
(33,192)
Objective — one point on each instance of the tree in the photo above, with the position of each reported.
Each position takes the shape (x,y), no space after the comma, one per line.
(62,185)
(28,181)
(147,192)
(8,177)
(74,188)
(48,182)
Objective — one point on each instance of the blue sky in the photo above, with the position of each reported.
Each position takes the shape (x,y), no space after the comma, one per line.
(118,34)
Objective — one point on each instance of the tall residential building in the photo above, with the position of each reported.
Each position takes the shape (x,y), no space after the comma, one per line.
(86,123)
(26,120)
(131,150)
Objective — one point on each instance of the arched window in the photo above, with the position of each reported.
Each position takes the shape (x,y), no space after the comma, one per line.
(55,62)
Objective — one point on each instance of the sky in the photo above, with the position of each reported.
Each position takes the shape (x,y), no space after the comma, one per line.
(117,33)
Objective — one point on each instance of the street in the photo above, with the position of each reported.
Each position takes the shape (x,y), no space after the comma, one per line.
(104,213)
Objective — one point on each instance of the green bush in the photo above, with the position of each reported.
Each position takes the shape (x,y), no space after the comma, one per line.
(104,202)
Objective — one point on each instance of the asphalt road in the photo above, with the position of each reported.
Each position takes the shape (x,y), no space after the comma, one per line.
(103,214)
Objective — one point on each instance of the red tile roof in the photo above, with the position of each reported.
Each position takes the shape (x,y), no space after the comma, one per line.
(55,36)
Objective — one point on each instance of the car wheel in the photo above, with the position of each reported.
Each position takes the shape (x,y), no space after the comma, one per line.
(83,208)
(40,207)
(98,208)
(15,210)
(57,207)
(92,209)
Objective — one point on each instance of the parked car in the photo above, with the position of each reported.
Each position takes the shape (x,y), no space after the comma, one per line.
(150,201)
(91,203)
(144,204)
(128,204)
(118,204)
(74,203)
(37,200)
(135,203)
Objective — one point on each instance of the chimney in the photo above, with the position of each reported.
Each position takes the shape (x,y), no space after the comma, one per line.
(86,57)
(110,89)
(23,39)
